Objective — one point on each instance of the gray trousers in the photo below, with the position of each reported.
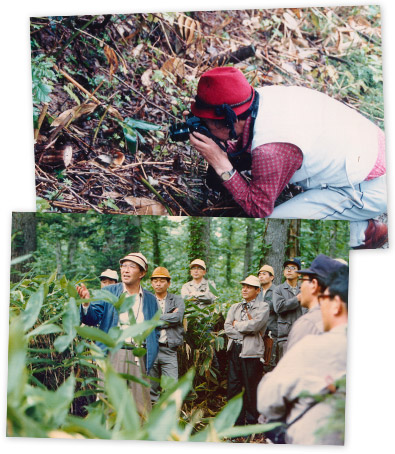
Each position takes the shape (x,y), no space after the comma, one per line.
(366,201)
(165,364)
(124,362)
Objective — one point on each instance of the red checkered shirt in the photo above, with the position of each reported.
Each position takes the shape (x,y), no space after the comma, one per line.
(273,165)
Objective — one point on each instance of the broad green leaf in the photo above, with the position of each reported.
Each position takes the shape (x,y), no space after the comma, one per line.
(140,124)
(51,406)
(123,402)
(71,320)
(139,329)
(48,328)
(42,91)
(228,415)
(33,308)
(104,295)
(63,282)
(213,290)
(91,426)
(96,334)
(17,373)
(72,291)
(20,259)
(240,431)
(131,139)
(139,352)
(62,342)
(52,277)
(125,302)
(135,379)
(163,419)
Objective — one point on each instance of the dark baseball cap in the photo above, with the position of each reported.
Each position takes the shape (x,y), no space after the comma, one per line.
(293,262)
(322,266)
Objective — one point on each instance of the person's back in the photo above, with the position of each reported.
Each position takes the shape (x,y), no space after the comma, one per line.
(310,368)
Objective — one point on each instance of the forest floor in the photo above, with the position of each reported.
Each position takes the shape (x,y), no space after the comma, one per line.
(102,76)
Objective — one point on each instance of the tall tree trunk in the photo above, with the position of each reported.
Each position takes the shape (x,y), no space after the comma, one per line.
(156,255)
(58,253)
(23,231)
(293,249)
(199,239)
(249,249)
(333,241)
(276,239)
(228,263)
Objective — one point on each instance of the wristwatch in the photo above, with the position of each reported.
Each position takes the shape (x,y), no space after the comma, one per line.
(225,176)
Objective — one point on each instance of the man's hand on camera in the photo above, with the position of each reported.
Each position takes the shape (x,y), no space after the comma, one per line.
(211,152)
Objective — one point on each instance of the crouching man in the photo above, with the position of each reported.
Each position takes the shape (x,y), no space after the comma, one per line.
(245,326)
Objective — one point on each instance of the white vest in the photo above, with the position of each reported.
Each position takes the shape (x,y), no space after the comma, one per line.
(339,145)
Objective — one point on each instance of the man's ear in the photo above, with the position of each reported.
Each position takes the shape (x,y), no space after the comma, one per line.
(316,286)
(337,305)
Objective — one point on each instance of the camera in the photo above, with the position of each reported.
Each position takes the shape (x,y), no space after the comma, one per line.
(179,132)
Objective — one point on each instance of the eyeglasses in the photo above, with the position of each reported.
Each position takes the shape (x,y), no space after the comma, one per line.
(322,296)
(302,279)
(127,266)
(291,268)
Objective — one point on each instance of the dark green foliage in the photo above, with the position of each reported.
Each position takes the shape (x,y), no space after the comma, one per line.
(80,246)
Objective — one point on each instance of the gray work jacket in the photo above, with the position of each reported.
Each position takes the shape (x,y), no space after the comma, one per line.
(174,328)
(272,322)
(287,307)
(250,332)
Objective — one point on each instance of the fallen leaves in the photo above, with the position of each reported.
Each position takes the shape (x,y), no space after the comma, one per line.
(143,205)
(174,66)
(190,29)
(76,112)
(112,59)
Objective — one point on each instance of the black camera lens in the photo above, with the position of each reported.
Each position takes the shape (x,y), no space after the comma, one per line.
(179,132)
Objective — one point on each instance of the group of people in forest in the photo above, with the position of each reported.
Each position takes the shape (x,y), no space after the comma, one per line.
(282,340)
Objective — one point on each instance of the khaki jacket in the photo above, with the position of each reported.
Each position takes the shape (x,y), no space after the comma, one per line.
(250,332)
(201,294)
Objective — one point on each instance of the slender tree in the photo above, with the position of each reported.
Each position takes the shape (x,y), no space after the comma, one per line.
(23,231)
(275,243)
(249,248)
(228,251)
(293,249)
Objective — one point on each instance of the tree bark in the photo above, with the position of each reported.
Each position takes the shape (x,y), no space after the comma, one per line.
(156,259)
(199,239)
(249,249)
(275,238)
(293,249)
(23,231)
(228,252)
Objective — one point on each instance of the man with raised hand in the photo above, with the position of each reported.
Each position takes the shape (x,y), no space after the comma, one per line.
(104,315)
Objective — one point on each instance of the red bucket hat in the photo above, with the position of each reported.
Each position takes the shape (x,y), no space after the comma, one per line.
(219,86)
